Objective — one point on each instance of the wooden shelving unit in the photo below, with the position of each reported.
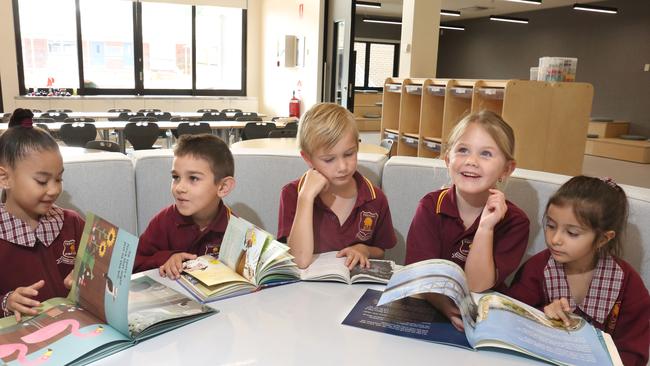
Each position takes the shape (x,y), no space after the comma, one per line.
(367,110)
(550,120)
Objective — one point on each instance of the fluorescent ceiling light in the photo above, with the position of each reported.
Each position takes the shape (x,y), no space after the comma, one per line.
(598,9)
(533,2)
(382,21)
(367,4)
(509,19)
(450,13)
(452,27)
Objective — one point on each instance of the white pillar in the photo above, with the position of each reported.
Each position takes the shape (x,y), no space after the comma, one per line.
(418,56)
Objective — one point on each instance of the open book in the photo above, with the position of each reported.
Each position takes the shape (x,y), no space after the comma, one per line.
(327,267)
(496,321)
(101,315)
(249,258)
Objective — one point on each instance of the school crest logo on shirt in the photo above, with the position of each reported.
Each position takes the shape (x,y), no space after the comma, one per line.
(212,249)
(463,250)
(366,225)
(69,252)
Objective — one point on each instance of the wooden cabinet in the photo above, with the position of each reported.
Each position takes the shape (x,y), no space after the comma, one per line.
(367,110)
(550,120)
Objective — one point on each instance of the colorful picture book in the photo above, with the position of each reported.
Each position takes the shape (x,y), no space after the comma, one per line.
(249,258)
(101,315)
(495,321)
(327,267)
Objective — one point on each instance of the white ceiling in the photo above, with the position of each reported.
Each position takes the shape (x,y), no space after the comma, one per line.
(468,8)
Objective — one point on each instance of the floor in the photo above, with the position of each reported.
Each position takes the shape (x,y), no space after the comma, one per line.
(622,172)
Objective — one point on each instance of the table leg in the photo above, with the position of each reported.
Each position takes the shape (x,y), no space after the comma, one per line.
(120,141)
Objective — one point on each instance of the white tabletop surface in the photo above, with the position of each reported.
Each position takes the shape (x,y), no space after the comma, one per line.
(295,324)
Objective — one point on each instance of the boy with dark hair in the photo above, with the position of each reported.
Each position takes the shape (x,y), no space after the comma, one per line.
(202,175)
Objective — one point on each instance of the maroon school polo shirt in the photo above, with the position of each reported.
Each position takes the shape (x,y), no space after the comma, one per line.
(169,232)
(47,253)
(617,302)
(369,222)
(437,231)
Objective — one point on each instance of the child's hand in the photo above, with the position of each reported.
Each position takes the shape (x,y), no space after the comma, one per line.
(447,307)
(495,209)
(174,266)
(559,309)
(20,301)
(67,281)
(313,184)
(354,254)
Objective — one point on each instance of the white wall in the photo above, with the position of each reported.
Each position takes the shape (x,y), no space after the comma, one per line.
(280,18)
(9,73)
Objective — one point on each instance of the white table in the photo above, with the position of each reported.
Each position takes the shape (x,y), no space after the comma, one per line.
(296,324)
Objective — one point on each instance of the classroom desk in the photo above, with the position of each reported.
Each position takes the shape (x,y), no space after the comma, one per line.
(289,144)
(295,324)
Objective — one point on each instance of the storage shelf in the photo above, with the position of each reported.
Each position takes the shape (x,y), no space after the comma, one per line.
(394,88)
(436,90)
(414,89)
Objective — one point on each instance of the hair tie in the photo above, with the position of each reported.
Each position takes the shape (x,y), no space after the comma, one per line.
(27,123)
(609,181)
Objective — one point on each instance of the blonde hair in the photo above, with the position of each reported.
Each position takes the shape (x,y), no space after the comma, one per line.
(323,126)
(493,124)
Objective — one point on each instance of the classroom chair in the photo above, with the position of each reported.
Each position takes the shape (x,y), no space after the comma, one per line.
(212,116)
(77,133)
(160,116)
(62,110)
(79,119)
(149,110)
(125,116)
(44,127)
(143,119)
(43,120)
(231,110)
(57,116)
(257,130)
(118,110)
(103,145)
(207,110)
(248,119)
(292,125)
(283,132)
(142,135)
(193,128)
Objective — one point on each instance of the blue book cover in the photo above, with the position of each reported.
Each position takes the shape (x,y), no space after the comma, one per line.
(408,317)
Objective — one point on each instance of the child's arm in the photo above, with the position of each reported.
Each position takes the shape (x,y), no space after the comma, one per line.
(20,300)
(360,253)
(479,267)
(301,238)
(153,247)
(447,307)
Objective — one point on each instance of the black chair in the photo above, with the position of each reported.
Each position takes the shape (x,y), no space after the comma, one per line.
(245,114)
(141,135)
(57,116)
(78,133)
(36,110)
(143,119)
(248,119)
(6,117)
(149,110)
(283,132)
(231,110)
(193,128)
(257,130)
(207,110)
(62,110)
(212,116)
(125,116)
(118,110)
(79,119)
(44,127)
(160,116)
(291,125)
(223,116)
(103,145)
(43,120)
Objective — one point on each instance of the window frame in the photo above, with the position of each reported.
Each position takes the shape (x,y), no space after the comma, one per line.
(366,71)
(139,89)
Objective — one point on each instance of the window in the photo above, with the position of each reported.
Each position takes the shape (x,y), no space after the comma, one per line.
(131,47)
(218,49)
(107,44)
(49,53)
(374,63)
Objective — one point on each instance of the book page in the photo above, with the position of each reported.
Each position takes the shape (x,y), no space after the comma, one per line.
(102,271)
(326,267)
(242,246)
(151,303)
(380,271)
(57,336)
(507,323)
(211,271)
(432,276)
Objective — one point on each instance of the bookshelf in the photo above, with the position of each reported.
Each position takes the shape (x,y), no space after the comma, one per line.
(550,119)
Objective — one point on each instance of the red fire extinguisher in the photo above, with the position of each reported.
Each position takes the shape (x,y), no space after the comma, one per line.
(294,106)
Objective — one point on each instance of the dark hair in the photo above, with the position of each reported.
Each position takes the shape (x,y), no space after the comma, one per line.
(210,148)
(597,203)
(21,139)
